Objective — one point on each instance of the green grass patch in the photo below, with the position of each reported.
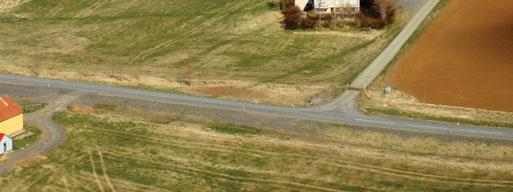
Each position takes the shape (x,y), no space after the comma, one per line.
(34,135)
(30,106)
(234,129)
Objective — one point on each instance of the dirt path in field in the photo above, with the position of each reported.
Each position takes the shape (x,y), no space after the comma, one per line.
(465,58)
(52,134)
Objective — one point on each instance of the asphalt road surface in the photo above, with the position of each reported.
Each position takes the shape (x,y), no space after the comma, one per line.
(302,113)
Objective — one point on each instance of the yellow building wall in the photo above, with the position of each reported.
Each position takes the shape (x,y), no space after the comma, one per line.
(12,126)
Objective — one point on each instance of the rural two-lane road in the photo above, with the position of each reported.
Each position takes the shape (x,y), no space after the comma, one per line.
(342,110)
(302,113)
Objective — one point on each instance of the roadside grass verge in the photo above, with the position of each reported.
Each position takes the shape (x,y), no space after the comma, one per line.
(395,112)
(106,150)
(233,129)
(30,106)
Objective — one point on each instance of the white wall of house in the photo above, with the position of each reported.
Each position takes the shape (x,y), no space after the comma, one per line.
(5,144)
(301,3)
(329,5)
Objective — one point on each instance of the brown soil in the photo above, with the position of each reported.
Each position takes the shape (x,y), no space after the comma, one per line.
(465,58)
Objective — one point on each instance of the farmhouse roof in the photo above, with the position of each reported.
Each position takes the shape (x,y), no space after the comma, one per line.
(8,108)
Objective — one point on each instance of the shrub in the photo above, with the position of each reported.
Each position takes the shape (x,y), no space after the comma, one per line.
(367,21)
(293,17)
(311,21)
(327,20)
(377,13)
(387,10)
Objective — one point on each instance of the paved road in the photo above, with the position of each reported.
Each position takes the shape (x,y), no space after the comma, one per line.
(51,136)
(303,113)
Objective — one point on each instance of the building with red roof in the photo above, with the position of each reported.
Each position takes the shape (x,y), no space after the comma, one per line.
(11,117)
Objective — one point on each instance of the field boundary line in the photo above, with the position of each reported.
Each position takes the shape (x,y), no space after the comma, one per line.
(383,59)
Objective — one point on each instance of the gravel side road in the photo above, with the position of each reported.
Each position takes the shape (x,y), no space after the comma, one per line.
(52,134)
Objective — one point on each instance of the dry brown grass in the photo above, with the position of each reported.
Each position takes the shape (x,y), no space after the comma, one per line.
(133,151)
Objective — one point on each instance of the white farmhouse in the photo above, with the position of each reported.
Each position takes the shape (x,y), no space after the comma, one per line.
(330,6)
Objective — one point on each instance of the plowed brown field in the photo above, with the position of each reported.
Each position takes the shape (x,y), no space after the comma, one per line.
(465,58)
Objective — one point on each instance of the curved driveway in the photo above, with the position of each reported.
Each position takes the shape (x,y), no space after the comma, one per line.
(52,135)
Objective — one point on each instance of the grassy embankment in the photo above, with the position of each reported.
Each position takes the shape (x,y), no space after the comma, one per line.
(404,105)
(108,150)
(234,49)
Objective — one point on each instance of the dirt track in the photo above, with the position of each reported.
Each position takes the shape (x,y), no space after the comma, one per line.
(465,58)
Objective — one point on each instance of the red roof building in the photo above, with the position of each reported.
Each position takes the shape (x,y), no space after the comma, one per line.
(11,117)
(8,108)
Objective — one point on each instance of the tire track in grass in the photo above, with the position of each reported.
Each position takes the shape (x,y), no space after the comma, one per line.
(104,170)
(348,165)
(119,158)
(97,181)
(191,32)
(343,164)
(87,177)
(220,175)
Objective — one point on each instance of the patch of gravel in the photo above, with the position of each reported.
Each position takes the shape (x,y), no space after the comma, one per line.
(31,92)
(280,123)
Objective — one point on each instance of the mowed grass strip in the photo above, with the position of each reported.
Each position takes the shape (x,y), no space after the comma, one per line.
(127,42)
(105,151)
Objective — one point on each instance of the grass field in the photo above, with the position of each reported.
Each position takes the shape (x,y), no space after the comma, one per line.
(106,150)
(234,49)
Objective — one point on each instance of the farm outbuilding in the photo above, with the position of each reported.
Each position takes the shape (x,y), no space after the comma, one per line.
(11,117)
(330,6)
(5,143)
